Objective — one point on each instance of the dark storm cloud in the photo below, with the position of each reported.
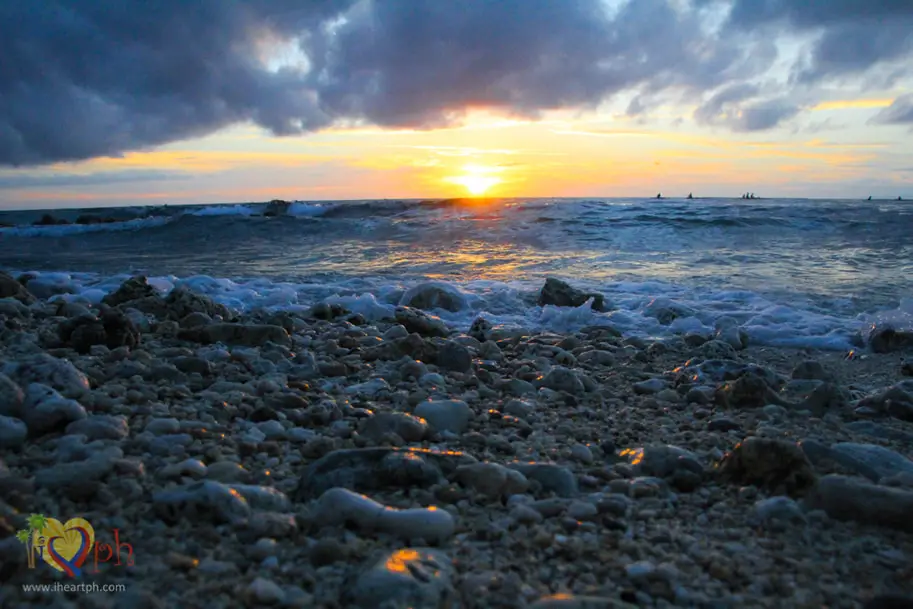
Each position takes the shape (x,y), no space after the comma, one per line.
(86,78)
(735,107)
(898,113)
(80,79)
(852,35)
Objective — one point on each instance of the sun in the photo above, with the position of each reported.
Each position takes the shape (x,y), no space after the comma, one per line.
(477,179)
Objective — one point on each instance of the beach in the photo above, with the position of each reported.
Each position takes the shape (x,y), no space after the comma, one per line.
(316,458)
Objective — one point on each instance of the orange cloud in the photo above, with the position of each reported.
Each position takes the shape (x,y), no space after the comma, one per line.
(853,104)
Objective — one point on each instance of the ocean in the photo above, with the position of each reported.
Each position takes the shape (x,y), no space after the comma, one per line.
(792,272)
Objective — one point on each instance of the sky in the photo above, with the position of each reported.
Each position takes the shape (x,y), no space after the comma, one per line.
(124,102)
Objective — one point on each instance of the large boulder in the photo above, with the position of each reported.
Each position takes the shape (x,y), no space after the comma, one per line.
(560,294)
(135,288)
(10,288)
(420,322)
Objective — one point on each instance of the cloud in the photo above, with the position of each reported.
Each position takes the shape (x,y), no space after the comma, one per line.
(852,36)
(87,79)
(898,113)
(88,179)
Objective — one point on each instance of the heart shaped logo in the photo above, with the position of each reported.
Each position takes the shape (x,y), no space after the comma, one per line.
(65,546)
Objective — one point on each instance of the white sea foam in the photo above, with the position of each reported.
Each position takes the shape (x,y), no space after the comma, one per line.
(225,210)
(511,304)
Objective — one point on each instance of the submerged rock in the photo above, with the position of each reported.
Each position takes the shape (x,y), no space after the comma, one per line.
(560,294)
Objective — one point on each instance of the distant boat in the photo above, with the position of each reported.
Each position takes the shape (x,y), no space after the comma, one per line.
(870,198)
(659,196)
(690,196)
(900,198)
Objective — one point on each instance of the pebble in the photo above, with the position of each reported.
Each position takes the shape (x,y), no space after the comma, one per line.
(492,479)
(869,460)
(522,409)
(553,478)
(846,498)
(338,506)
(45,410)
(369,389)
(560,378)
(407,577)
(205,500)
(100,427)
(650,387)
(445,415)
(163,426)
(777,511)
(582,453)
(13,432)
(265,592)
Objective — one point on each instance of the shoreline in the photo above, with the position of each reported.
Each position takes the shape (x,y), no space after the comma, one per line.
(222,463)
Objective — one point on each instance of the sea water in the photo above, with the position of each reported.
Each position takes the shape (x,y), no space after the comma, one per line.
(812,273)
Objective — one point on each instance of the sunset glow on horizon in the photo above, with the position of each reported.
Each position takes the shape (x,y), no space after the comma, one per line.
(685,102)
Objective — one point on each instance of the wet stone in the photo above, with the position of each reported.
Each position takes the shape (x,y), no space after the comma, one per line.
(419,578)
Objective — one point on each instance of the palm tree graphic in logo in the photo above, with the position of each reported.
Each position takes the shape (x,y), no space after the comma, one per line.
(37,523)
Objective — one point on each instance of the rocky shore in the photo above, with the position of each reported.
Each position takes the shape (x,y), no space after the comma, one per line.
(272,459)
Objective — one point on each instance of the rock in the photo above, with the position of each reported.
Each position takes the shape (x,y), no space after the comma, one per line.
(873,462)
(852,499)
(420,322)
(492,479)
(778,511)
(60,374)
(407,427)
(560,294)
(665,311)
(369,469)
(747,391)
(660,460)
(100,427)
(418,578)
(890,601)
(227,472)
(774,464)
(522,409)
(44,410)
(560,378)
(13,432)
(338,506)
(581,453)
(649,387)
(277,207)
(78,474)
(206,501)
(880,431)
(11,397)
(13,308)
(264,592)
(10,288)
(896,401)
(163,426)
(550,476)
(454,356)
(825,398)
(481,329)
(811,370)
(327,311)
(113,329)
(887,340)
(569,601)
(181,302)
(434,295)
(135,288)
(193,364)
(732,336)
(250,335)
(597,357)
(723,424)
(445,415)
(263,498)
(369,389)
